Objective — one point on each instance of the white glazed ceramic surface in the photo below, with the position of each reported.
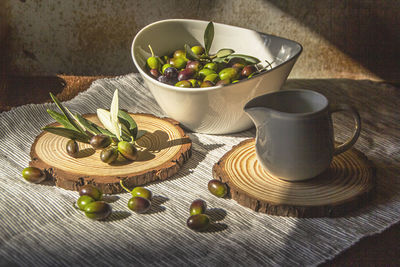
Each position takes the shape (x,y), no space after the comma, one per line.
(218,109)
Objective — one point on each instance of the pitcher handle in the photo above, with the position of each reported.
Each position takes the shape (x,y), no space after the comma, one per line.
(357,129)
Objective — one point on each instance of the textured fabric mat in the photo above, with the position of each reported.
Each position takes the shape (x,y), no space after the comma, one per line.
(39,226)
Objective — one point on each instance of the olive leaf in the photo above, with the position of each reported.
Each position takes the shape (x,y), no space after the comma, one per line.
(189,53)
(208,37)
(68,133)
(60,118)
(220,59)
(114,115)
(90,126)
(248,59)
(129,122)
(68,115)
(105,119)
(224,52)
(106,132)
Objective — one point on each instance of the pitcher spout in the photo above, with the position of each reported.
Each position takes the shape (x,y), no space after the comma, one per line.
(257,114)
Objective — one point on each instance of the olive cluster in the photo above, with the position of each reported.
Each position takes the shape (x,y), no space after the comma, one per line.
(141,199)
(90,202)
(198,220)
(110,148)
(176,69)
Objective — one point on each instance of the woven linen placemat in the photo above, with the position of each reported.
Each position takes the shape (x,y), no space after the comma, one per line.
(39,226)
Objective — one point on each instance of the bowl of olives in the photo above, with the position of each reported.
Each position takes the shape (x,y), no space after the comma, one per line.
(203,73)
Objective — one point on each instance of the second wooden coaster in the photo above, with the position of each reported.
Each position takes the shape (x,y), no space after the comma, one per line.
(346,185)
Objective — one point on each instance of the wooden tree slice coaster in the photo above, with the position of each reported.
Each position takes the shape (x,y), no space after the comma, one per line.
(162,151)
(346,185)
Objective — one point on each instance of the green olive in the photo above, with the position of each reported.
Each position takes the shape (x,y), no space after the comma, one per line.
(184,83)
(178,62)
(195,83)
(198,222)
(98,210)
(206,84)
(211,77)
(139,204)
(33,175)
(179,53)
(100,141)
(204,72)
(217,188)
(229,73)
(198,206)
(109,154)
(153,63)
(212,66)
(165,66)
(72,148)
(142,192)
(83,201)
(198,50)
(223,82)
(128,150)
(91,191)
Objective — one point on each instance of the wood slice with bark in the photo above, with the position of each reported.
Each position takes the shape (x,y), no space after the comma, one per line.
(162,150)
(346,185)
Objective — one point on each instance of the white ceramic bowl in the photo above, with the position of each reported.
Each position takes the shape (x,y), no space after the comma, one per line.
(218,109)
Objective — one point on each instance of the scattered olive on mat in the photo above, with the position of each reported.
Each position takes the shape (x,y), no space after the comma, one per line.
(33,175)
(198,206)
(91,191)
(72,148)
(100,141)
(198,222)
(141,198)
(98,210)
(83,201)
(139,204)
(109,154)
(142,192)
(217,188)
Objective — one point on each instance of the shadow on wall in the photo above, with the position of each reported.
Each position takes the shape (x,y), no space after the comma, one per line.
(367,31)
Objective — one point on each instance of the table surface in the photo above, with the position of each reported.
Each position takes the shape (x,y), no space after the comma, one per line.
(380,250)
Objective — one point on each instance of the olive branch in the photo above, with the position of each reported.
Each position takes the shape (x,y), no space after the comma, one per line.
(118,124)
(223,55)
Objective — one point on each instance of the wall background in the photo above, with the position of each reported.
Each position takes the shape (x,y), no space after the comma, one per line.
(341,38)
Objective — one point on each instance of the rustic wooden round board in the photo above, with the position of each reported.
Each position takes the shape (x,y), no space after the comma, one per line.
(162,151)
(346,185)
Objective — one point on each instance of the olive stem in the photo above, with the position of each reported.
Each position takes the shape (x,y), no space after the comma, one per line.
(151,50)
(122,185)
